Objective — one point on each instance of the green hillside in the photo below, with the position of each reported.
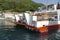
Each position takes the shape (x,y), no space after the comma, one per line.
(18,5)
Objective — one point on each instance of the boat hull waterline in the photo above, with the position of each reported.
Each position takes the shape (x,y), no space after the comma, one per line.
(41,29)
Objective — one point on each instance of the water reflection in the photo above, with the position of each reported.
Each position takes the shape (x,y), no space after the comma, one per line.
(23,34)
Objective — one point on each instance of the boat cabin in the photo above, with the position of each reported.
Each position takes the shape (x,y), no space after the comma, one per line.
(44,17)
(47,18)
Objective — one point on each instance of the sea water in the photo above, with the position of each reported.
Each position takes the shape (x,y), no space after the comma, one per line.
(26,34)
(21,34)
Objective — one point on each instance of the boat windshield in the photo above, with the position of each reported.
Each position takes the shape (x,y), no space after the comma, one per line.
(49,7)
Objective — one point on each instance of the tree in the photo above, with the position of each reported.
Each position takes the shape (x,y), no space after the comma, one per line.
(19,5)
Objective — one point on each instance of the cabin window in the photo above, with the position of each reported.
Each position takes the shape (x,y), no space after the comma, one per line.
(56,17)
(39,18)
(53,19)
(34,18)
(42,17)
(53,16)
(50,8)
(44,8)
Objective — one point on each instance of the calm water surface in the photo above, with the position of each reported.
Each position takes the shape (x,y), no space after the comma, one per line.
(22,34)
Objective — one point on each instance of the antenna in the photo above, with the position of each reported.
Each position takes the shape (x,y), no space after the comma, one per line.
(46,4)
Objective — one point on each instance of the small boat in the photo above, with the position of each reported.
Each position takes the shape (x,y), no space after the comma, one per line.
(44,20)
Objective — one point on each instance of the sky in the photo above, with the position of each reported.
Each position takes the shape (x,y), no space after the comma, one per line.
(47,1)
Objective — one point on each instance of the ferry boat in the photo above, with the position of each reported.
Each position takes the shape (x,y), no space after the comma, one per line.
(45,19)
